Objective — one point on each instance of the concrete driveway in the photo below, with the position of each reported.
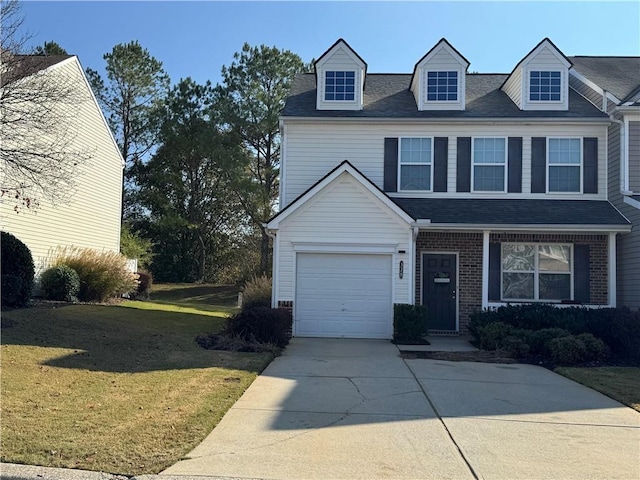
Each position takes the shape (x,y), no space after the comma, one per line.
(353,409)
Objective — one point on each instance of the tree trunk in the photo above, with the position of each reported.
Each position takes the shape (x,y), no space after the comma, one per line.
(264,252)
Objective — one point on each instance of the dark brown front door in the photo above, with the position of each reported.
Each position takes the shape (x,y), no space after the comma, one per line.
(439,290)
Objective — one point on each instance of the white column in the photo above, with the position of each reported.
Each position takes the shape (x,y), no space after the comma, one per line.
(485,269)
(612,270)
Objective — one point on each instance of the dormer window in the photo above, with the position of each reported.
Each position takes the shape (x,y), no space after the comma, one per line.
(442,86)
(544,86)
(340,86)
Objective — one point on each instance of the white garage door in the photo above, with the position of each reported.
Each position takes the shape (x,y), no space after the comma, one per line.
(343,295)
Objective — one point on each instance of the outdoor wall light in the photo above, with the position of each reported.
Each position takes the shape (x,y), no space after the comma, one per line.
(401,269)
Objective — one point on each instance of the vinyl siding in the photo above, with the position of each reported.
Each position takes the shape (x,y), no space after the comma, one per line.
(628,244)
(92,216)
(545,60)
(513,87)
(634,156)
(344,212)
(340,60)
(313,149)
(442,61)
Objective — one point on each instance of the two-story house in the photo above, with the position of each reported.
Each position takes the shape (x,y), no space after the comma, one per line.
(454,190)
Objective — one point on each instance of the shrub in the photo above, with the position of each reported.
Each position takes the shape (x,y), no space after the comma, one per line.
(16,265)
(102,274)
(515,345)
(257,293)
(410,323)
(567,350)
(261,324)
(60,283)
(596,349)
(619,328)
(491,336)
(538,339)
(134,245)
(145,282)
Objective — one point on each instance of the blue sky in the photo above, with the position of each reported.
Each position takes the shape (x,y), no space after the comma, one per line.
(196,38)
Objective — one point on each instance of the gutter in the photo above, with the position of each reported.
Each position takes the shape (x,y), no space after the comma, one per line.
(426,225)
(604,120)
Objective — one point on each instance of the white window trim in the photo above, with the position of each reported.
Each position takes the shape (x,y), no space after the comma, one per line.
(545,102)
(355,87)
(536,273)
(505,164)
(400,164)
(580,165)
(442,102)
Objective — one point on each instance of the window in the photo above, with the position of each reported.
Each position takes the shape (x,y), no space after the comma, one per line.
(340,86)
(489,164)
(544,86)
(415,163)
(564,161)
(536,272)
(442,86)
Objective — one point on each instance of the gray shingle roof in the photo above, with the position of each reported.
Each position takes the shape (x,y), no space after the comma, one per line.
(388,96)
(618,75)
(512,211)
(21,66)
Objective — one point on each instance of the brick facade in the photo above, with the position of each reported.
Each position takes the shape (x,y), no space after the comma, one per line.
(468,246)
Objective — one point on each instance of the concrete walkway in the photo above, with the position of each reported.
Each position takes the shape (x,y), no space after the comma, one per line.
(353,409)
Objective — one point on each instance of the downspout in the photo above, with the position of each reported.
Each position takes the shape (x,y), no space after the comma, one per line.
(623,156)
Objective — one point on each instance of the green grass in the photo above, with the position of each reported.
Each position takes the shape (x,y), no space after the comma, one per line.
(122,389)
(620,383)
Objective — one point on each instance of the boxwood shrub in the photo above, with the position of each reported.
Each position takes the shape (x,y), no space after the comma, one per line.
(17,271)
(261,324)
(60,283)
(410,323)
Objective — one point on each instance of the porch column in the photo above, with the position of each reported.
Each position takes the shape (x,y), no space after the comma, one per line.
(612,271)
(485,269)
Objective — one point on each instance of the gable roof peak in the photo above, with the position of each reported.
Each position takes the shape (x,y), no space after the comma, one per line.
(340,41)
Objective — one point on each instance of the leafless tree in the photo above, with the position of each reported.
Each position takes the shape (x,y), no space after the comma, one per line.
(39,157)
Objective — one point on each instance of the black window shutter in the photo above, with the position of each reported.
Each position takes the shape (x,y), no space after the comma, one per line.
(390,164)
(515,165)
(494,271)
(440,154)
(538,165)
(590,156)
(463,182)
(581,278)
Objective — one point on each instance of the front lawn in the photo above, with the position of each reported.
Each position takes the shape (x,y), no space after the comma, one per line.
(122,389)
(620,383)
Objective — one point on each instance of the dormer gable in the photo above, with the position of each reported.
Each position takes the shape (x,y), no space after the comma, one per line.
(439,79)
(540,81)
(340,76)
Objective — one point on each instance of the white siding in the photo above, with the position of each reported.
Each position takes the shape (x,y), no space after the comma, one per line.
(439,61)
(513,87)
(545,60)
(340,60)
(92,216)
(344,213)
(313,149)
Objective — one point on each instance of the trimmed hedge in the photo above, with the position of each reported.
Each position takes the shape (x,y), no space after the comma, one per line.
(60,283)
(262,325)
(601,331)
(17,271)
(410,323)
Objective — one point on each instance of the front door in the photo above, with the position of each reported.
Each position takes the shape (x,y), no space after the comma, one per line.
(439,290)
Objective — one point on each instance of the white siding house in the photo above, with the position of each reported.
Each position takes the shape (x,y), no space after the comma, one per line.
(453,190)
(91,216)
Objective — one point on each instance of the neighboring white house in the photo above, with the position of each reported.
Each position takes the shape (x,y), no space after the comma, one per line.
(455,190)
(91,216)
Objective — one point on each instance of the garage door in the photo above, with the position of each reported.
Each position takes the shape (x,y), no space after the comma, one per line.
(343,295)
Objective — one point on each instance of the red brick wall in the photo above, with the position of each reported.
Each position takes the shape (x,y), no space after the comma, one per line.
(469,249)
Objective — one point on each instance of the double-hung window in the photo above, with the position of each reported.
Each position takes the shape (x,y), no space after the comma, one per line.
(489,164)
(536,272)
(340,86)
(442,86)
(545,86)
(416,160)
(564,163)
